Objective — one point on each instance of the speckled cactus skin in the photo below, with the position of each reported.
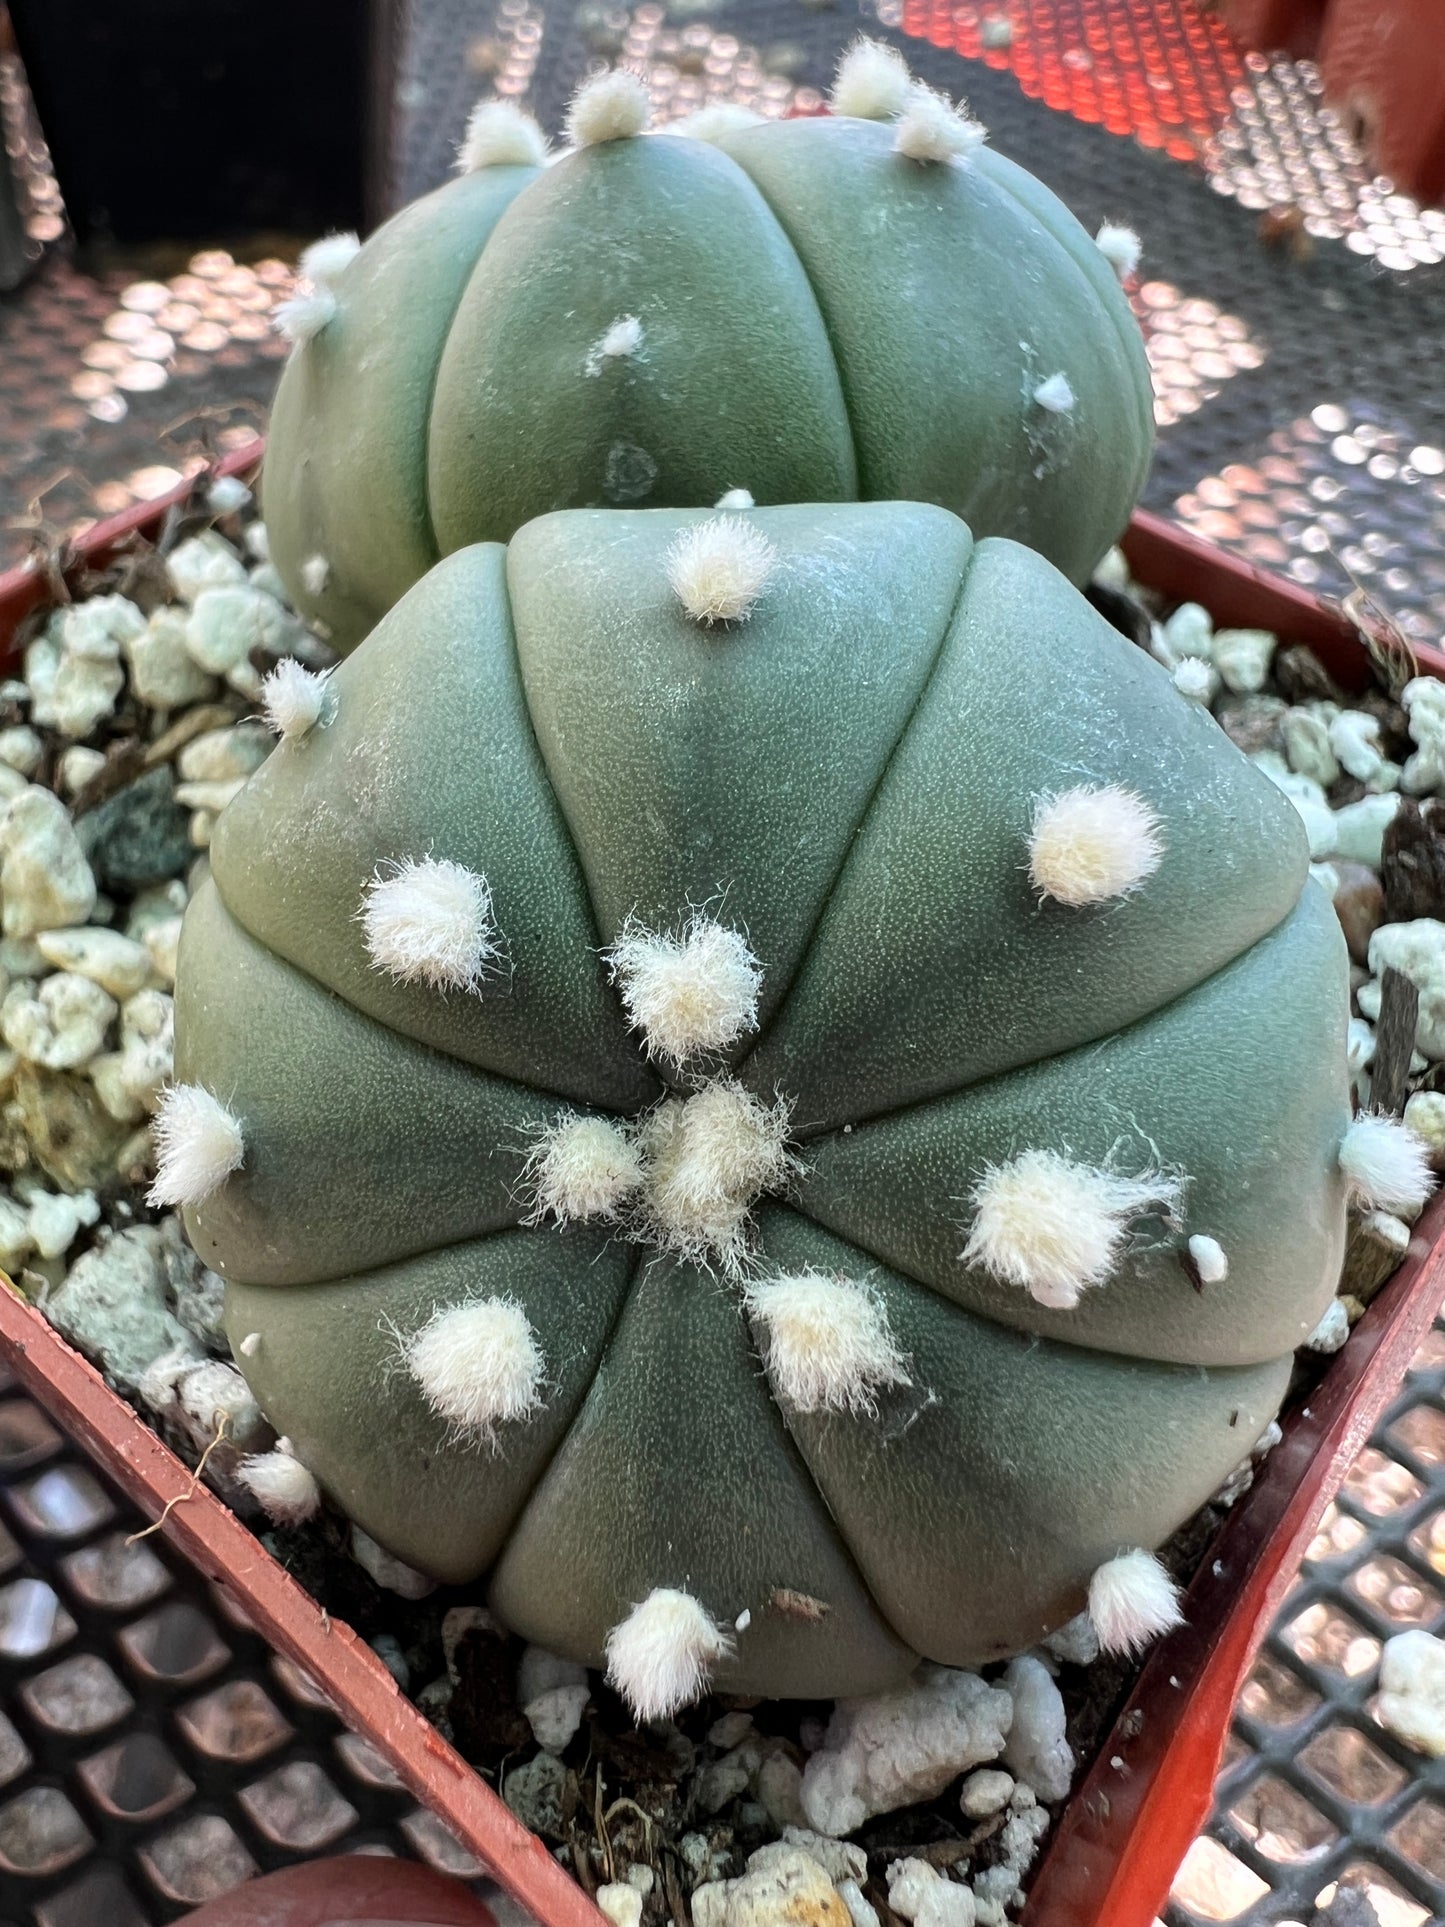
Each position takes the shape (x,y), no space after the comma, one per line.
(852,771)
(823,320)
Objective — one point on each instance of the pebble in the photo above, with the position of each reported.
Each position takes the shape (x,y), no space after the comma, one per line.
(61,1025)
(534,1793)
(918,1892)
(1076,1642)
(782,1887)
(553,1694)
(118,964)
(137,837)
(227,624)
(1333,1329)
(1306,733)
(1036,1750)
(163,673)
(731,1730)
(1242,657)
(1424,703)
(12,784)
(212,797)
(147,1046)
(1359,900)
(1253,723)
(77,767)
(20,749)
(55,1120)
(205,561)
(1425,1115)
(985,1792)
(620,1901)
(394,1575)
(56,1218)
(1360,828)
(196,1393)
(779,1789)
(1411,1702)
(112,1305)
(162,943)
(861,1910)
(225,755)
(45,880)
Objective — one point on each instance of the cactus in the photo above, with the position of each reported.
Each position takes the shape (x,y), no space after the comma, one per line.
(867,306)
(791,1139)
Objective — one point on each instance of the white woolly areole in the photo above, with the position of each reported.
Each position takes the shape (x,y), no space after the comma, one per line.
(1056,395)
(715,121)
(620,342)
(1387,1166)
(198,1145)
(1211,1261)
(500,134)
(582,1167)
(930,128)
(478,1365)
(429,921)
(1056,1227)
(829,1345)
(872,83)
(708,1158)
(610,107)
(688,994)
(285,1489)
(307,313)
(315,574)
(660,1657)
(1195,678)
(329,257)
(735,498)
(1132,1600)
(718,569)
(294,699)
(1093,843)
(1119,247)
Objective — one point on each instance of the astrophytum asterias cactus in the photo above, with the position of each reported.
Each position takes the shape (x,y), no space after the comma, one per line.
(871,305)
(765,1082)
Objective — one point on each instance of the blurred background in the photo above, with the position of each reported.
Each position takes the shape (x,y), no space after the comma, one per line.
(162,164)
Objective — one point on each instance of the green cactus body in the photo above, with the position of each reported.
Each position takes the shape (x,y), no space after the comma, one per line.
(816,317)
(849,778)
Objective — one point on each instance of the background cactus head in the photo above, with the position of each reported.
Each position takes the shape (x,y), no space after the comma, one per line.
(718,1125)
(871,305)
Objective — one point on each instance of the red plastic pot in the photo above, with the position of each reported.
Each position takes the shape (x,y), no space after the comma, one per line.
(356,1890)
(1276,26)
(1115,1850)
(1382,63)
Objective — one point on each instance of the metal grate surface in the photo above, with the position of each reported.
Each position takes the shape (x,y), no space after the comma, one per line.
(153,1751)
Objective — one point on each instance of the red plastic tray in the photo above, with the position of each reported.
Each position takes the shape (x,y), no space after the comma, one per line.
(1114,1853)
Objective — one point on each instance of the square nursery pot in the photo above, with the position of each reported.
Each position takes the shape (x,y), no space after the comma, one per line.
(1115,1849)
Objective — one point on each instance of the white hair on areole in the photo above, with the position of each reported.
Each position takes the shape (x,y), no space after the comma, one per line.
(613,106)
(306,313)
(1119,247)
(283,1486)
(829,1345)
(689,994)
(931,129)
(707,1159)
(1056,1227)
(581,1167)
(1093,843)
(872,82)
(294,699)
(735,498)
(1386,1164)
(329,257)
(1132,1600)
(1211,1261)
(719,568)
(198,1145)
(620,342)
(715,121)
(500,134)
(1056,395)
(660,1658)
(429,921)
(315,574)
(478,1365)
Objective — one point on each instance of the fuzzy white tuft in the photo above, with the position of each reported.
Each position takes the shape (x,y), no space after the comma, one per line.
(307,313)
(1211,1260)
(429,921)
(478,1365)
(1092,844)
(1387,1166)
(315,574)
(661,1656)
(500,134)
(1196,679)
(930,128)
(581,1167)
(286,1490)
(329,257)
(718,569)
(613,106)
(690,994)
(1119,247)
(1132,1600)
(619,343)
(716,121)
(1056,1227)
(295,699)
(708,1158)
(735,498)
(829,1345)
(873,81)
(1056,395)
(198,1145)
(250,1345)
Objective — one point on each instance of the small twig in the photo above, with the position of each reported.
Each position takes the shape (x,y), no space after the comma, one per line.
(599,1822)
(1394,1042)
(190,1492)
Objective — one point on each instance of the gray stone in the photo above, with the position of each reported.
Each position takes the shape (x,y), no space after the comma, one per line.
(139,836)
